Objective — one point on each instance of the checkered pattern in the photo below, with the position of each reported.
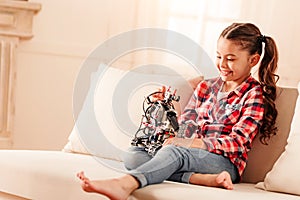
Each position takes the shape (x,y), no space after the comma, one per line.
(229,125)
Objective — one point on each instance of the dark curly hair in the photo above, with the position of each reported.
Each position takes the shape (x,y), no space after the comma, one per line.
(251,39)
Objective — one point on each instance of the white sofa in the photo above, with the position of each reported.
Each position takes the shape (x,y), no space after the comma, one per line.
(33,174)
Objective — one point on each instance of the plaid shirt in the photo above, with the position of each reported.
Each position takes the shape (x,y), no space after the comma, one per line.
(227,126)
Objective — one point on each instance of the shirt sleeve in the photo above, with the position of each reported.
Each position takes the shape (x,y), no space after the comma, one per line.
(189,112)
(239,140)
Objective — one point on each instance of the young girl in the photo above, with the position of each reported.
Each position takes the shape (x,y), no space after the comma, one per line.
(230,111)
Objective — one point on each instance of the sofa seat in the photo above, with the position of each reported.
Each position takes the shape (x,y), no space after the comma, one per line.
(175,191)
(43,175)
(51,175)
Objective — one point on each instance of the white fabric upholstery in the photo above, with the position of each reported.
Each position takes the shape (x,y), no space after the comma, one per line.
(49,175)
(114,134)
(177,191)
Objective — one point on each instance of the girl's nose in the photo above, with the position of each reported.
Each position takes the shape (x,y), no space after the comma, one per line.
(222,63)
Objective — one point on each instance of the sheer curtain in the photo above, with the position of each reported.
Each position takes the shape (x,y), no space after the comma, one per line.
(203,20)
(200,20)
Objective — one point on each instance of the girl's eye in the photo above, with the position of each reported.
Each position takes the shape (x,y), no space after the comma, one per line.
(218,57)
(230,59)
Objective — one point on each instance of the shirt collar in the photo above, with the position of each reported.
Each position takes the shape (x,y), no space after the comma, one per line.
(240,90)
(245,86)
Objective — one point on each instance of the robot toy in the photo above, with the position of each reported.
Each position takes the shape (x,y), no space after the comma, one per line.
(158,123)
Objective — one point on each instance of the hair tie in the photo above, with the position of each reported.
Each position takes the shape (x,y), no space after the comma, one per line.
(262,38)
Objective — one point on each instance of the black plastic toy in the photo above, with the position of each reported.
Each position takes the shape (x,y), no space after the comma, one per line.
(158,123)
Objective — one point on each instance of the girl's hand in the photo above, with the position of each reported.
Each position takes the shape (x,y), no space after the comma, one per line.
(186,142)
(160,95)
(182,142)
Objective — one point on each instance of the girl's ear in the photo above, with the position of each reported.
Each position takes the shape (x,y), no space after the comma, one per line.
(254,59)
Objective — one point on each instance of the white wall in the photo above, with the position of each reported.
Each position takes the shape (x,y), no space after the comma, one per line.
(278,19)
(47,65)
(66,31)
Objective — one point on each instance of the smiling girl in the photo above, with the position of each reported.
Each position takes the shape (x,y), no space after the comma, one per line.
(230,111)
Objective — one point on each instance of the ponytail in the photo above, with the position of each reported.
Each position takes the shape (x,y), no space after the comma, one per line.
(268,79)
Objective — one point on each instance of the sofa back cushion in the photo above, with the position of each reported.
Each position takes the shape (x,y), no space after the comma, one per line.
(284,176)
(262,157)
(114,104)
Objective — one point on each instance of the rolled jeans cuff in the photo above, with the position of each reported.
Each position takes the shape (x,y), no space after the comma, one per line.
(186,177)
(140,178)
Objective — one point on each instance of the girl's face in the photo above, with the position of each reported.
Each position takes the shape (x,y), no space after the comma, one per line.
(233,62)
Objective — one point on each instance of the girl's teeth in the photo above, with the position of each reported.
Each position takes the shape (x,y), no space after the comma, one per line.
(225,73)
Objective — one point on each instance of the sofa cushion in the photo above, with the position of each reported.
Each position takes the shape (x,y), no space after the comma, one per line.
(128,89)
(100,91)
(51,175)
(284,176)
(176,191)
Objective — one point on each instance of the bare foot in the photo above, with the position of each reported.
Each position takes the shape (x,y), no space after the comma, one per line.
(115,189)
(222,180)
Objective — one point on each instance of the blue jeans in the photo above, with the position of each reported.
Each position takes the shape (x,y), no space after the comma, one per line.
(175,163)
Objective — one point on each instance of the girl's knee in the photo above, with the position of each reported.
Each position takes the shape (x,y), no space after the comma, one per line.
(135,157)
(130,162)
